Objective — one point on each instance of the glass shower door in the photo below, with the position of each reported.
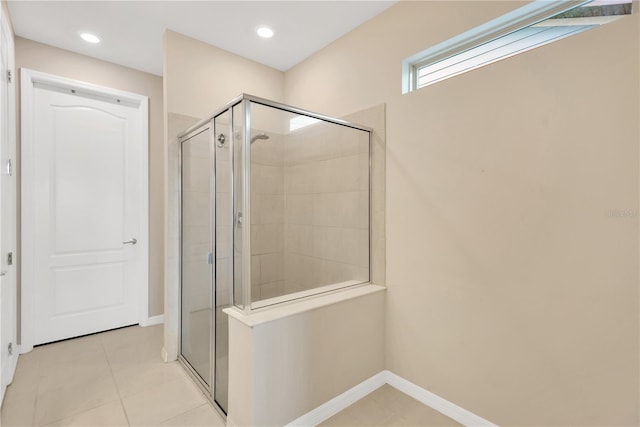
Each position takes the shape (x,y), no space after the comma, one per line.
(207,253)
(196,271)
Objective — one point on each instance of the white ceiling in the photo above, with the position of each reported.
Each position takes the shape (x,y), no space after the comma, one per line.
(131,31)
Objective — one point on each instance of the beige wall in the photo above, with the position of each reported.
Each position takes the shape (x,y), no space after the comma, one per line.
(512,289)
(48,59)
(202,78)
(286,366)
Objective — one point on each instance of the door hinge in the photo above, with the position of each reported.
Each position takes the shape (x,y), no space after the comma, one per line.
(9,167)
(10,348)
(9,77)
(10,258)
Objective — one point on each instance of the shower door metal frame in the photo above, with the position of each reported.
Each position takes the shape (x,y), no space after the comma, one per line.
(208,389)
(245,304)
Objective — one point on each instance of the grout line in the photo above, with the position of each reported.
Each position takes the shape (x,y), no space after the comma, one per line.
(70,341)
(182,413)
(191,383)
(35,405)
(124,410)
(113,378)
(35,401)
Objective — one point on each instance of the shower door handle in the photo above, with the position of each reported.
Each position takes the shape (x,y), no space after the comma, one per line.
(133,241)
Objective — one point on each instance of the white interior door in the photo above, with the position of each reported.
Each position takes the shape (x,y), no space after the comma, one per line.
(87,202)
(8,308)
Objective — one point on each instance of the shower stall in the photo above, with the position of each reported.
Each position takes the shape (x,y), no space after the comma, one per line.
(275,207)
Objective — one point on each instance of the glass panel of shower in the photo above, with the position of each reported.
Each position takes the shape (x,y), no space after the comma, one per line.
(196,274)
(275,207)
(206,253)
(309,198)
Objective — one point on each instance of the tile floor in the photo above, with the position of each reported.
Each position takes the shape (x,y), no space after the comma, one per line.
(388,407)
(115,378)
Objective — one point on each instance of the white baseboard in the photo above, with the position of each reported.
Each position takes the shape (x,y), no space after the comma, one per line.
(153,320)
(349,397)
(436,402)
(338,403)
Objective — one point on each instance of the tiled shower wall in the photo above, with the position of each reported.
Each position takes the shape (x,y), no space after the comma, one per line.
(196,223)
(267,217)
(326,214)
(374,118)
(310,207)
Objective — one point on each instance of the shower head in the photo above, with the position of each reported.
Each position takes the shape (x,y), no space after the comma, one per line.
(259,136)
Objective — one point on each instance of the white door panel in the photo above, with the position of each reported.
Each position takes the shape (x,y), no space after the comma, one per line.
(95,166)
(88,288)
(86,197)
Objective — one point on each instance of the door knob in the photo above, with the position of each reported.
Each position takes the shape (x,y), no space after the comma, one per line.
(133,241)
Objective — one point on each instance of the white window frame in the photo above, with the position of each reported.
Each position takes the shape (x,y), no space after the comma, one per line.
(525,16)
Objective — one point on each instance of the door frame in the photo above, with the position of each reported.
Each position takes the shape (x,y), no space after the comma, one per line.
(28,78)
(7,34)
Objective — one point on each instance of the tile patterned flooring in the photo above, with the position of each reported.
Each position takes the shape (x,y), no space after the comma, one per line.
(388,407)
(115,378)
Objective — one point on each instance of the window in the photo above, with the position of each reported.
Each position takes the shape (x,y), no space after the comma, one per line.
(529,27)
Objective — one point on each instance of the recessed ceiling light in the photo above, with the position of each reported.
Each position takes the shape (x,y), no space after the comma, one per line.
(264,32)
(90,38)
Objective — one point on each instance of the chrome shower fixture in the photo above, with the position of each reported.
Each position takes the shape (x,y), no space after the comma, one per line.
(259,136)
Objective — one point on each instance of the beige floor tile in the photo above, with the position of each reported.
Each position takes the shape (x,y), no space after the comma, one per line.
(80,382)
(81,370)
(18,408)
(71,399)
(133,345)
(69,350)
(133,335)
(19,401)
(341,419)
(31,359)
(423,415)
(27,375)
(152,407)
(134,355)
(203,415)
(394,400)
(385,394)
(387,406)
(369,412)
(132,379)
(111,414)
